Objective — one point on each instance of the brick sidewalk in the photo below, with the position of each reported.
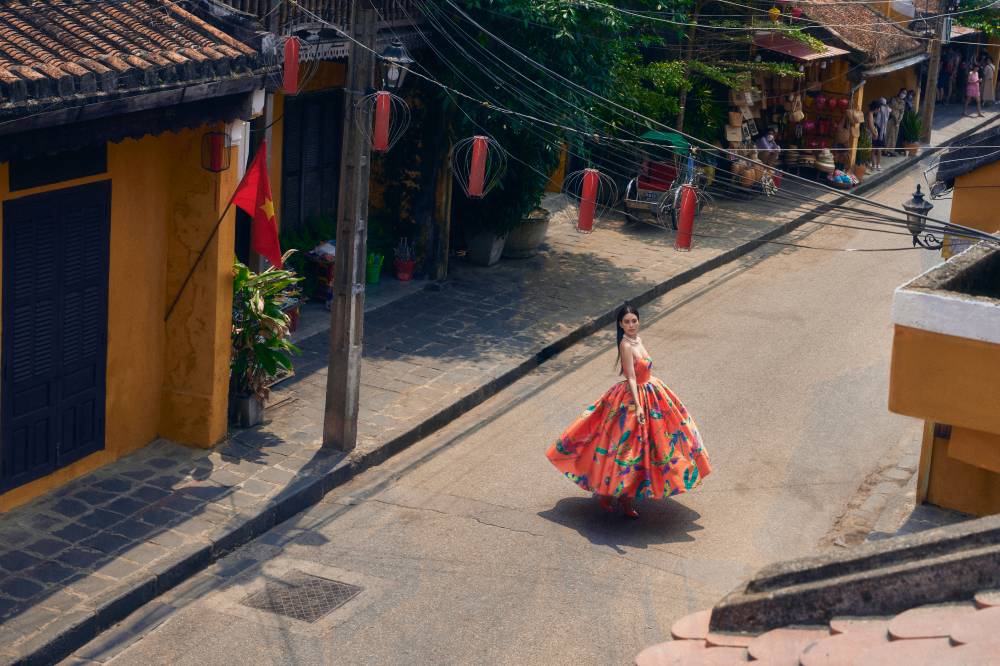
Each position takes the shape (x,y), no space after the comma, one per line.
(80,559)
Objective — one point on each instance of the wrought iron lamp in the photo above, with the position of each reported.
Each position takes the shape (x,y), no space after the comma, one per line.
(917,209)
(394,61)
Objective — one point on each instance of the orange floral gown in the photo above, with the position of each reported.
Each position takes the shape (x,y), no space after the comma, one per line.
(606,451)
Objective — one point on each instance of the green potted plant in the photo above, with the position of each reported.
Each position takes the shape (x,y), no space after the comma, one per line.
(524,239)
(863,156)
(910,129)
(259,338)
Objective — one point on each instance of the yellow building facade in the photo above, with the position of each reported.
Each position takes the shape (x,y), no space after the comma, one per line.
(163,379)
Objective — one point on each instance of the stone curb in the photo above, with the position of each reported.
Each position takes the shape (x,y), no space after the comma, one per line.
(71,631)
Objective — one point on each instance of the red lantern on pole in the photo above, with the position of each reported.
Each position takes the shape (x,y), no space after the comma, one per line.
(477,172)
(595,192)
(215,151)
(478,162)
(588,200)
(391,119)
(383,109)
(685,220)
(290,71)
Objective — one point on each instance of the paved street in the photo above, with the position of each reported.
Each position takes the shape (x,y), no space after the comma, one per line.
(470,548)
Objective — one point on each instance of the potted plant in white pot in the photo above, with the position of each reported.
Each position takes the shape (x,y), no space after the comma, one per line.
(259,337)
(523,240)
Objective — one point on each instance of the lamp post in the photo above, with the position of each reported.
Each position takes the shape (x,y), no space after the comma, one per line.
(394,62)
(917,209)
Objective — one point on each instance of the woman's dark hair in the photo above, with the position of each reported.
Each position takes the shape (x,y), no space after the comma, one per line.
(626,309)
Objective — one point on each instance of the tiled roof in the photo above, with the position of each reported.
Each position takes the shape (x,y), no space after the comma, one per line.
(58,51)
(864,30)
(969,154)
(943,635)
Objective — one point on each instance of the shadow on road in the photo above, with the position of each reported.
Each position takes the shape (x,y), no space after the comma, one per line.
(659,522)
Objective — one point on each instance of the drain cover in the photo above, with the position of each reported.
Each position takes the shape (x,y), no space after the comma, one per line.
(302,596)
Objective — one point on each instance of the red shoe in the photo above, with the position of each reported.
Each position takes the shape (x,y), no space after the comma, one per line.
(607,503)
(627,507)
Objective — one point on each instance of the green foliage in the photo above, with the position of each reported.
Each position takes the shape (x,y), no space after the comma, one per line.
(260,345)
(910,128)
(985,18)
(302,239)
(864,153)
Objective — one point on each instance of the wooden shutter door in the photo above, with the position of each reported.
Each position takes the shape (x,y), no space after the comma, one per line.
(55,267)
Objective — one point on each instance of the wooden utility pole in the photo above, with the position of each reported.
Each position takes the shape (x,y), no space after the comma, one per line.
(340,423)
(930,87)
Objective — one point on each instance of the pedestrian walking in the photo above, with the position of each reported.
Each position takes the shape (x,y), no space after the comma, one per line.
(989,96)
(637,440)
(896,107)
(972,92)
(877,120)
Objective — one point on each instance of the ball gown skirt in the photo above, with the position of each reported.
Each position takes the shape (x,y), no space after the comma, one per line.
(608,452)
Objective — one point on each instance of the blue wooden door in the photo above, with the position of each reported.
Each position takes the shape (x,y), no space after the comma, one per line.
(55,313)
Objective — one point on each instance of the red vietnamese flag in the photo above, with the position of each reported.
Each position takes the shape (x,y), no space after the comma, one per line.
(254,196)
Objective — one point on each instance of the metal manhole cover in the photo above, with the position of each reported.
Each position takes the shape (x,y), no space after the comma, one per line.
(302,596)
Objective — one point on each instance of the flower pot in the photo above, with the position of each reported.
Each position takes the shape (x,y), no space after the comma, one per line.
(249,410)
(404,269)
(523,241)
(293,316)
(485,248)
(373,274)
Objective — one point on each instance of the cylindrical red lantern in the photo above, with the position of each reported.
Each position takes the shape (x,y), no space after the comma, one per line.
(477,170)
(685,220)
(215,154)
(796,12)
(383,111)
(588,199)
(290,79)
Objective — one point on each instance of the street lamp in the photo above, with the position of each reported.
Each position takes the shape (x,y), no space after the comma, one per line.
(917,209)
(394,61)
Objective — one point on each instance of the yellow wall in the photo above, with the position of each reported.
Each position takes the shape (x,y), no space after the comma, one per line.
(161,201)
(889,84)
(949,482)
(975,198)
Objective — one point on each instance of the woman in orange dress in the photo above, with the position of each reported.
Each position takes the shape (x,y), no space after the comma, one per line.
(637,440)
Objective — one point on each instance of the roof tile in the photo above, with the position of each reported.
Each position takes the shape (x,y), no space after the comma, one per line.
(988,598)
(977,627)
(842,648)
(928,621)
(877,38)
(920,652)
(668,654)
(64,48)
(693,626)
(781,647)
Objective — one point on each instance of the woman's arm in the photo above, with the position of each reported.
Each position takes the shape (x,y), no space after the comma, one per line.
(629,367)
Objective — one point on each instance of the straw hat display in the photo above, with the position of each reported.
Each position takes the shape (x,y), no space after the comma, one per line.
(807,160)
(824,161)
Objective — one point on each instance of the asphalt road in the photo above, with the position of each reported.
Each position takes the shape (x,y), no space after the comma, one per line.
(471,549)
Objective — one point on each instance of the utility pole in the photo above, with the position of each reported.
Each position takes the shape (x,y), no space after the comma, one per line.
(943,30)
(340,422)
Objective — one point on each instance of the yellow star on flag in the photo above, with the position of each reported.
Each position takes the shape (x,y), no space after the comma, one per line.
(268,208)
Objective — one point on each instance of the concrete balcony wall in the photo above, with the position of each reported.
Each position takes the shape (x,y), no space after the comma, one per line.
(946,370)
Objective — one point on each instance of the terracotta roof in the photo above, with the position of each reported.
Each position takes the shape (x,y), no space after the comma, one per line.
(58,51)
(945,634)
(969,154)
(863,30)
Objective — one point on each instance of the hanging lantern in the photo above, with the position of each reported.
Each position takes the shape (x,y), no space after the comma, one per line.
(774,13)
(290,67)
(595,192)
(383,118)
(479,163)
(796,12)
(215,147)
(685,220)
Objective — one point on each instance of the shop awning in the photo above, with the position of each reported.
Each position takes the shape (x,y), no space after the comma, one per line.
(793,48)
(895,66)
(959,31)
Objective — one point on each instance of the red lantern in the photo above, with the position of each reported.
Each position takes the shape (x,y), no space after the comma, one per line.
(383,109)
(391,119)
(796,12)
(843,102)
(685,221)
(290,78)
(588,200)
(478,163)
(820,102)
(595,192)
(215,151)
(824,127)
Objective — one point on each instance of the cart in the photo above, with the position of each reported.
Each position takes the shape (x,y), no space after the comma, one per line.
(654,195)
